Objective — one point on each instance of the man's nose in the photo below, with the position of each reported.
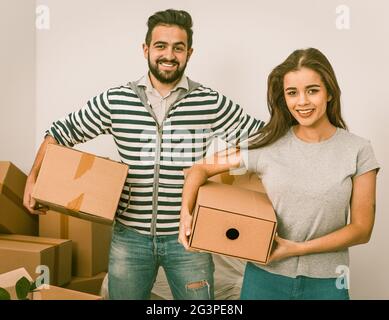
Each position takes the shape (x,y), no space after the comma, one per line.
(169,53)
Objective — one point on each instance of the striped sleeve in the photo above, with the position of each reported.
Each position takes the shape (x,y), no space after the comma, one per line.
(232,124)
(85,124)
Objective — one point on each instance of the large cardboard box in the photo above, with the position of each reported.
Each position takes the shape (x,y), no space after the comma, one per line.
(234,219)
(80,184)
(90,285)
(62,271)
(17,254)
(91,241)
(14,218)
(45,292)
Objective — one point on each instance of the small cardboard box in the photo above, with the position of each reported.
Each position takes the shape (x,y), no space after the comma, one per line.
(17,254)
(14,218)
(62,271)
(234,219)
(46,292)
(91,241)
(80,184)
(90,285)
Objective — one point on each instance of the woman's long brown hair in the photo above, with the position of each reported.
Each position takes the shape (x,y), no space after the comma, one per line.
(280,118)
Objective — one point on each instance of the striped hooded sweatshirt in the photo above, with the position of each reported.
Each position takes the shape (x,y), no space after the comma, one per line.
(156,154)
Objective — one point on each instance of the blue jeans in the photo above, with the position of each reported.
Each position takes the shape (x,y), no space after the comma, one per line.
(135,259)
(259,284)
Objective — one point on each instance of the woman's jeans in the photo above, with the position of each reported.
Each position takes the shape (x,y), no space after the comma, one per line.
(135,258)
(259,284)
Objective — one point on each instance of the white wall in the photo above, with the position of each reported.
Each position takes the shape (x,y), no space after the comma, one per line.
(17,82)
(96,44)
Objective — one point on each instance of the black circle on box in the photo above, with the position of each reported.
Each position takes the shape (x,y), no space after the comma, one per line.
(232,234)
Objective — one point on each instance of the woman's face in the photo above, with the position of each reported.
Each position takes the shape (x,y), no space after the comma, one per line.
(306,97)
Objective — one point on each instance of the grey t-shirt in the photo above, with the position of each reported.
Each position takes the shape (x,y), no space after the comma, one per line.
(310,185)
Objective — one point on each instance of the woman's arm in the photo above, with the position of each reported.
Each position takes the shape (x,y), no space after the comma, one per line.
(358,231)
(196,176)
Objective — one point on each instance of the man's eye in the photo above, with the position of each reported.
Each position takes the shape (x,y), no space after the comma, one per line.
(179,49)
(160,46)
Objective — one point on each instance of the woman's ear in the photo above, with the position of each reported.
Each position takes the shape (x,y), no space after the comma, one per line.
(329,98)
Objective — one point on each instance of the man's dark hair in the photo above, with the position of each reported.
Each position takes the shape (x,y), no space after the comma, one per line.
(178,18)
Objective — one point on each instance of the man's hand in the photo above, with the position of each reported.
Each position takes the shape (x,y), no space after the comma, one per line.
(185,228)
(30,202)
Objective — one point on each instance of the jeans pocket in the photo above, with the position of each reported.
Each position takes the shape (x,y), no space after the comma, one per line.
(119,228)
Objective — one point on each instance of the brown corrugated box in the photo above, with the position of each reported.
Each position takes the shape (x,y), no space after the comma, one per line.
(90,285)
(80,184)
(234,218)
(17,254)
(62,271)
(14,218)
(9,279)
(91,241)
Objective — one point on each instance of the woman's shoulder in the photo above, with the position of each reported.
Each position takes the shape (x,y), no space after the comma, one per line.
(352,139)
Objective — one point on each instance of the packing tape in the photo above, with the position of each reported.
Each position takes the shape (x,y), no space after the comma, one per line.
(75,204)
(86,163)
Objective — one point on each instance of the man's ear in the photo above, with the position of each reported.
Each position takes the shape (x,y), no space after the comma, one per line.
(190,51)
(145,50)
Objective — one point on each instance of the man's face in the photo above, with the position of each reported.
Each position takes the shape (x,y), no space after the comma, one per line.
(168,53)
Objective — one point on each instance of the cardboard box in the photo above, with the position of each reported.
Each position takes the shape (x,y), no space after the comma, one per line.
(234,220)
(91,241)
(14,218)
(80,184)
(8,282)
(62,271)
(17,254)
(90,285)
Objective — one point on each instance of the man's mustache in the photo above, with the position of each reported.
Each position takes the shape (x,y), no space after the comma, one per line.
(167,61)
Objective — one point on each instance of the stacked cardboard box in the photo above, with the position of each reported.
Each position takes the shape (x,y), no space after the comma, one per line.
(91,241)
(90,285)
(84,190)
(14,218)
(31,252)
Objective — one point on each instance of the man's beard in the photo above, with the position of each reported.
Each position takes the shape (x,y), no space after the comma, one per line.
(163,76)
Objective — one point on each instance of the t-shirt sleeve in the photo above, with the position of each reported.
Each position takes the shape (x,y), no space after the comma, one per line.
(366,160)
(249,159)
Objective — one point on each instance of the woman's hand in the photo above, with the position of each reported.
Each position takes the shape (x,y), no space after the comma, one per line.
(185,228)
(284,249)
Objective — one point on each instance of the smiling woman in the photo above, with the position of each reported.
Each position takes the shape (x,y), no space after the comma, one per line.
(313,170)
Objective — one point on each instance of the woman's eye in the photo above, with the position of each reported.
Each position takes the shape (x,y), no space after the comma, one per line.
(291,93)
(312,91)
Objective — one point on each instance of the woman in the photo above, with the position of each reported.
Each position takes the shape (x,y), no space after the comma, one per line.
(313,170)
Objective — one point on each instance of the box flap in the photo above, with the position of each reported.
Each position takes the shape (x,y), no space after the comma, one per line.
(232,199)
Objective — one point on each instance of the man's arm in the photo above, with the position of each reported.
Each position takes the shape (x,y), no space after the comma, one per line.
(28,201)
(232,124)
(77,127)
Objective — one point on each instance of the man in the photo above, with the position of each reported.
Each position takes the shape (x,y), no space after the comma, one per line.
(161,124)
